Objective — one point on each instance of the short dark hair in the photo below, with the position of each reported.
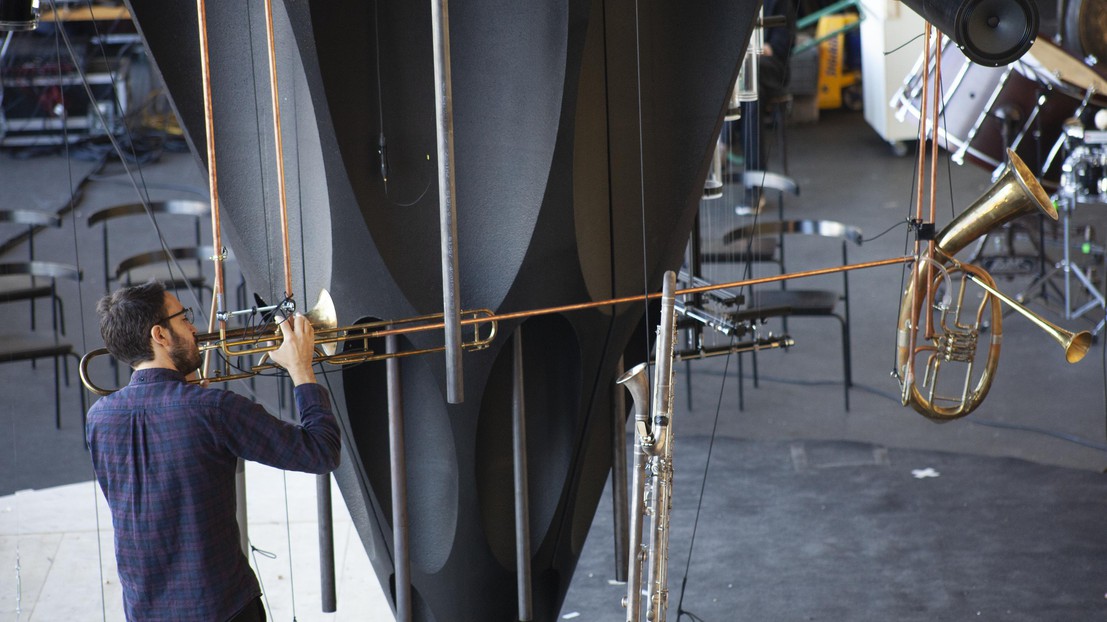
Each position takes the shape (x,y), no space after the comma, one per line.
(126,317)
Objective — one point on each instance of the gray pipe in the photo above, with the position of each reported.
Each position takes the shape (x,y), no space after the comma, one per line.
(401,556)
(619,512)
(240,506)
(522,495)
(447,211)
(328,594)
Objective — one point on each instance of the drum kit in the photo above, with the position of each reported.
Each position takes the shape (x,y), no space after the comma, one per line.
(1050,108)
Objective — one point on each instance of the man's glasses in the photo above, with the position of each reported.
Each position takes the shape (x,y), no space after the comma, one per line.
(186,312)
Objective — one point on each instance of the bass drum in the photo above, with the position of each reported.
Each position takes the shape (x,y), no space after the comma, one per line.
(1022,105)
(1084,32)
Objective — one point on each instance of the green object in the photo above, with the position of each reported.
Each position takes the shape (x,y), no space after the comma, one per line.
(813,18)
(1086,248)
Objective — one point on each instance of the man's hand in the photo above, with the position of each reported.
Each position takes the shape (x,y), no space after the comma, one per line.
(297,349)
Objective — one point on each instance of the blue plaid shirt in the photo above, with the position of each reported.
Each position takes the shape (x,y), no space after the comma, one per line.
(165,453)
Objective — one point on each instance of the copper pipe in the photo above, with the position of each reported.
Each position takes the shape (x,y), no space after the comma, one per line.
(213,183)
(282,198)
(515,315)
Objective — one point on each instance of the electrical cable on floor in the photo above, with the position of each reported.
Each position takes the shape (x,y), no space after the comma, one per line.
(1064,436)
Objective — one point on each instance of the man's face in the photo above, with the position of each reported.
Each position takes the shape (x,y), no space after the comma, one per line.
(183,349)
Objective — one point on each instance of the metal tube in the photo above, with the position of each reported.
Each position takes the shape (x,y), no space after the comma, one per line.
(328,595)
(240,506)
(401,556)
(522,495)
(277,138)
(447,211)
(619,514)
(213,179)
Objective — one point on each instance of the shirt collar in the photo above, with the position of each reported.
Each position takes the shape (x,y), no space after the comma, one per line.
(156,374)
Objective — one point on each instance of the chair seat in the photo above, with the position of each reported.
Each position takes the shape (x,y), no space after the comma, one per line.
(162,274)
(23,287)
(27,346)
(796,301)
(739,251)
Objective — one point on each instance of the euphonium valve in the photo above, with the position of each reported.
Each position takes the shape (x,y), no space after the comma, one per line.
(954,340)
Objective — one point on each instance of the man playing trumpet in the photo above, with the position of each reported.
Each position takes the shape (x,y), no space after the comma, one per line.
(165,453)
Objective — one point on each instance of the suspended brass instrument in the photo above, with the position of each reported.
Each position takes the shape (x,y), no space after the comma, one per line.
(1016,193)
(250,342)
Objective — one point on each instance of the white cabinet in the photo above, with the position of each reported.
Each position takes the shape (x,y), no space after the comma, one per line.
(888,25)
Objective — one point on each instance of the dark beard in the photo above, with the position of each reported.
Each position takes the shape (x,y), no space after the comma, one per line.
(185,356)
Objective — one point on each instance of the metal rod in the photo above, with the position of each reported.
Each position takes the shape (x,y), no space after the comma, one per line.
(282,198)
(213,178)
(401,556)
(619,511)
(515,315)
(447,210)
(328,597)
(522,494)
(240,506)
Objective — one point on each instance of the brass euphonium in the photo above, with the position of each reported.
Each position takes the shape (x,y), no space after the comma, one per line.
(652,480)
(1016,193)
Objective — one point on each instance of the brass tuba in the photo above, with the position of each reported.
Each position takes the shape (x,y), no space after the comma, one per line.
(1016,193)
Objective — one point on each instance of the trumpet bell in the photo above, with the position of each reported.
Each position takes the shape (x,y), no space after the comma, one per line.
(323,317)
(1077,346)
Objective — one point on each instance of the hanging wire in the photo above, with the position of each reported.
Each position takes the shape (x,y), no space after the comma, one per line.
(138,184)
(703,488)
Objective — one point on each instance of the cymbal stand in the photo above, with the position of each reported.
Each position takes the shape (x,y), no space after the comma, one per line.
(1069,270)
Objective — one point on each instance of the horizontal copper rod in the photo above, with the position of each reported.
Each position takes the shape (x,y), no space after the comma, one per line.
(514,315)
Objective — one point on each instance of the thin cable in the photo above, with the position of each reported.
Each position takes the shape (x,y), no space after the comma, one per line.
(142,193)
(904,44)
(703,482)
(287,519)
(81,306)
(254,551)
(642,182)
(261,158)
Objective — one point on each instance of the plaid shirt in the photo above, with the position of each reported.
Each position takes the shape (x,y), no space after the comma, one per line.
(165,453)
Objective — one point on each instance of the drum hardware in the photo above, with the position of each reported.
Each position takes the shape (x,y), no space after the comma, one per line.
(1083,180)
(1068,269)
(1046,87)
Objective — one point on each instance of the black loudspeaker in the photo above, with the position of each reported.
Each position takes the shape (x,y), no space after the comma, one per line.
(989,32)
(18,15)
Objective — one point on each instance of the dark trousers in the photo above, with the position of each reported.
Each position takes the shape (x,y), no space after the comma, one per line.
(254,611)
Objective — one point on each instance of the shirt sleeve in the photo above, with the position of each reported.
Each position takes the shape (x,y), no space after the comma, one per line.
(251,433)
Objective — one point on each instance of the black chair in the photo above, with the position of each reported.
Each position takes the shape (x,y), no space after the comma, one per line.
(34,345)
(26,288)
(784,302)
(174,269)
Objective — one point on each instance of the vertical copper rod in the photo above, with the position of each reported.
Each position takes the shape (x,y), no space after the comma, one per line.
(282,198)
(924,102)
(936,99)
(213,181)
